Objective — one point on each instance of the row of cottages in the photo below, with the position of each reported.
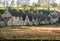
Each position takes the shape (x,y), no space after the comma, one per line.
(15,18)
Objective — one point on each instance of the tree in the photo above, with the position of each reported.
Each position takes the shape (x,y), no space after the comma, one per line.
(54,5)
(34,4)
(59,5)
(39,2)
(25,4)
(46,2)
(12,3)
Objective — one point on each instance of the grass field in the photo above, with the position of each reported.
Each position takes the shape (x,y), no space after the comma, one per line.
(28,8)
(30,32)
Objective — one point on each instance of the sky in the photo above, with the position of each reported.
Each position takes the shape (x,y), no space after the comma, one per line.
(57,1)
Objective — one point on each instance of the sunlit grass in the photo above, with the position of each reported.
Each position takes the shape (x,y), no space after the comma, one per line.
(28,8)
(2,8)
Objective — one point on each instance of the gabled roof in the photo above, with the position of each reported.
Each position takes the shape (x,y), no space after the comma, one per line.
(14,13)
(6,14)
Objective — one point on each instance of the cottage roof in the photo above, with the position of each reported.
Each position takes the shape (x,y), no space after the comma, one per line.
(20,13)
(43,16)
(14,13)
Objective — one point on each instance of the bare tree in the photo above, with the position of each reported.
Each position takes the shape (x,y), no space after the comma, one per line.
(46,2)
(34,4)
(12,3)
(39,2)
(54,5)
(25,3)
